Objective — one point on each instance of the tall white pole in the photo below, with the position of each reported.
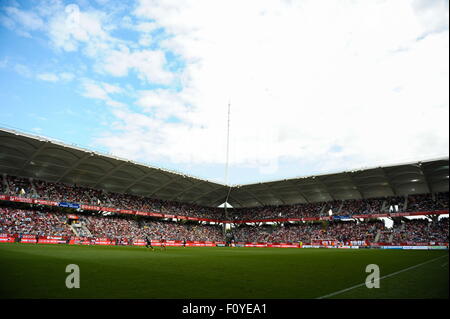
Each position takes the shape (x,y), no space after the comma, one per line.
(227,158)
(228,145)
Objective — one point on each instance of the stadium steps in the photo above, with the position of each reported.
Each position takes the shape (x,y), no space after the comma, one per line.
(383,206)
(33,188)
(391,238)
(340,208)
(86,230)
(377,236)
(5,184)
(322,209)
(74,230)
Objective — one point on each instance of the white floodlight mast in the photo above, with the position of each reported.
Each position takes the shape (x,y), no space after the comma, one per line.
(228,145)
(227,162)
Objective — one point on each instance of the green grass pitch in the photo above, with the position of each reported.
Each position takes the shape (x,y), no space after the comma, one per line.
(38,271)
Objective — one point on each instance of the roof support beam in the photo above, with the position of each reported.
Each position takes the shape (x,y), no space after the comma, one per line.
(71,168)
(109,173)
(224,199)
(302,195)
(227,198)
(170,181)
(321,183)
(427,182)
(35,153)
(279,199)
(350,177)
(255,197)
(187,189)
(388,181)
(275,195)
(136,181)
(195,199)
(234,199)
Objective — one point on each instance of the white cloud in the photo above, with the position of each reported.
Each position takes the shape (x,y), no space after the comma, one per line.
(148,64)
(49,77)
(52,77)
(66,76)
(145,40)
(69,28)
(302,78)
(145,26)
(101,91)
(23,70)
(4,62)
(21,21)
(433,15)
(89,31)
(162,103)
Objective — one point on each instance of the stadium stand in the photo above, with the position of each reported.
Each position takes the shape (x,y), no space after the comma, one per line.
(61,192)
(118,227)
(71,193)
(40,223)
(52,223)
(421,230)
(44,223)
(339,231)
(423,202)
(410,231)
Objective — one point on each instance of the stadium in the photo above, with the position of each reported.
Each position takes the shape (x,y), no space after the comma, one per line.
(141,232)
(215,158)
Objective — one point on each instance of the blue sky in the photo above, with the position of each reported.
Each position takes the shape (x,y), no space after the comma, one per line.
(314,87)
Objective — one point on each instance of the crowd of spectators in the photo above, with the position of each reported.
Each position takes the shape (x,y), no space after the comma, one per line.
(19,186)
(309,232)
(77,194)
(121,227)
(177,231)
(43,223)
(52,223)
(40,223)
(284,211)
(83,195)
(423,202)
(414,231)
(361,206)
(421,230)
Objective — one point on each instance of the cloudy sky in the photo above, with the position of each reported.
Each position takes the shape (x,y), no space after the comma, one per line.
(314,86)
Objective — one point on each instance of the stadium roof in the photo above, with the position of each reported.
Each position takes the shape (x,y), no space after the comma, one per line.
(41,158)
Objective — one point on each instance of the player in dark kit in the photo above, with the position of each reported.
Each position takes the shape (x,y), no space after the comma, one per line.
(163,244)
(148,243)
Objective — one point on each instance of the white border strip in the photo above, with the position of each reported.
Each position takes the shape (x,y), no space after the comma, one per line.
(390,275)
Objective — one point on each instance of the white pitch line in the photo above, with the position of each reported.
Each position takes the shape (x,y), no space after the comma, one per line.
(390,275)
